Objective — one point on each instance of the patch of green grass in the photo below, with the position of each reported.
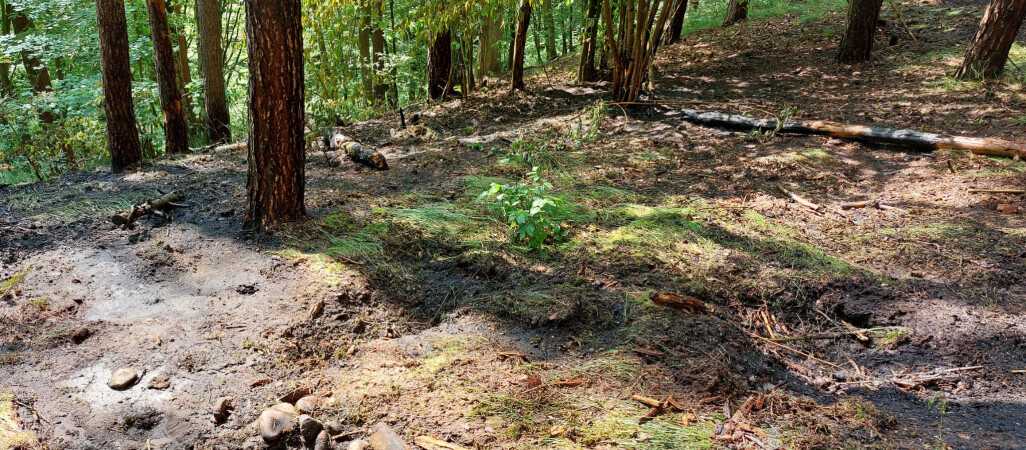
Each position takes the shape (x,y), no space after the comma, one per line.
(622,429)
(435,218)
(608,196)
(710,14)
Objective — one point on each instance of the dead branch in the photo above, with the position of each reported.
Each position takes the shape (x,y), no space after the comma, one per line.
(798,199)
(996,191)
(685,303)
(916,140)
(127,218)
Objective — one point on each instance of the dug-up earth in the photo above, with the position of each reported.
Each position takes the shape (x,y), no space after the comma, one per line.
(402,301)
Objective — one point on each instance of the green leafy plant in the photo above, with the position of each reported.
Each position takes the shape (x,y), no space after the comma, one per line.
(588,123)
(534,215)
(529,153)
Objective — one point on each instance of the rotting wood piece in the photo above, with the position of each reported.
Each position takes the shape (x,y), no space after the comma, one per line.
(684,303)
(916,140)
(356,152)
(126,218)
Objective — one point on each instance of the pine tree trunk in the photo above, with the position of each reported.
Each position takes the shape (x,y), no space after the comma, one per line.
(184,76)
(274,36)
(737,11)
(6,84)
(363,42)
(208,18)
(38,74)
(381,86)
(116,70)
(857,43)
(439,65)
(550,31)
(676,26)
(489,37)
(175,135)
(987,54)
(586,69)
(520,45)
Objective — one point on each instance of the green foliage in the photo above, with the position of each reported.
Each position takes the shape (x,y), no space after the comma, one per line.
(588,123)
(528,152)
(533,214)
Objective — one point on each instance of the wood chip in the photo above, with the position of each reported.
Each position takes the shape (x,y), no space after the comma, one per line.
(433,443)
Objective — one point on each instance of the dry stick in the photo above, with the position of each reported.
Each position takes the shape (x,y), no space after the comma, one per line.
(799,199)
(902,20)
(997,191)
(807,355)
(834,335)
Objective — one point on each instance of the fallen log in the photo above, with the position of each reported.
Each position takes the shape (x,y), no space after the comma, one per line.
(916,140)
(356,151)
(125,219)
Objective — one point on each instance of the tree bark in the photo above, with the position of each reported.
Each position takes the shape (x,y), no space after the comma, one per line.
(737,11)
(487,54)
(277,157)
(987,54)
(857,43)
(6,84)
(381,85)
(550,31)
(35,68)
(175,135)
(364,45)
(116,70)
(520,45)
(676,25)
(586,69)
(184,75)
(208,18)
(439,65)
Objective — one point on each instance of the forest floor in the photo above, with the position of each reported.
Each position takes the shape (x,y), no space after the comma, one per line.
(435,324)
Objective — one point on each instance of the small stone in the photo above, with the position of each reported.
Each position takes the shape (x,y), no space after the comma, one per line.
(222,409)
(309,428)
(384,438)
(358,444)
(323,441)
(80,335)
(276,421)
(159,383)
(309,404)
(123,379)
(333,428)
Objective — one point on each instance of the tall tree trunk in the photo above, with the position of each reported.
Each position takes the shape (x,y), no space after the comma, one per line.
(277,158)
(364,44)
(550,31)
(520,45)
(439,65)
(116,70)
(987,54)
(184,76)
(489,37)
(175,136)
(857,43)
(676,26)
(208,18)
(586,69)
(38,74)
(737,11)
(378,48)
(6,84)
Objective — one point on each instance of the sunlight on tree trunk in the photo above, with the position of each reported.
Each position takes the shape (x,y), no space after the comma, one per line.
(676,25)
(641,27)
(520,45)
(550,31)
(987,54)
(208,18)
(277,149)
(737,11)
(489,37)
(115,65)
